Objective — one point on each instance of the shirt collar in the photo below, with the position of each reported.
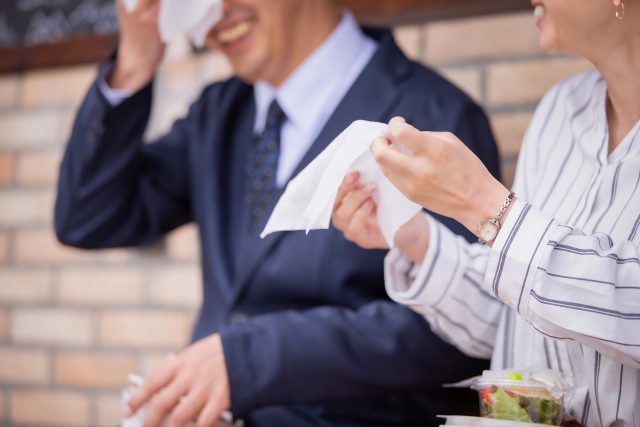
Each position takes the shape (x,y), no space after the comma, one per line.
(305,91)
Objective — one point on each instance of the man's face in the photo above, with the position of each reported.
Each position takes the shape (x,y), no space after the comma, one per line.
(254,35)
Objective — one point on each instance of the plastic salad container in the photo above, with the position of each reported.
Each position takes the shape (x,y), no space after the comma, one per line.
(519,400)
(523,395)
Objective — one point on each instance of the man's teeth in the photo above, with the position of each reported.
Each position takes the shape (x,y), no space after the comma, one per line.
(234,33)
(539,11)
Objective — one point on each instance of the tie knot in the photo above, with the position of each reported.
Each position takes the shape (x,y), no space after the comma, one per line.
(275,114)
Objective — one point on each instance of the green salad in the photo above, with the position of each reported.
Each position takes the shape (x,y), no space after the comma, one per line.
(500,403)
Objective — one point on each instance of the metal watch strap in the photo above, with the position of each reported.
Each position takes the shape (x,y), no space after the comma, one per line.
(495,222)
(504,207)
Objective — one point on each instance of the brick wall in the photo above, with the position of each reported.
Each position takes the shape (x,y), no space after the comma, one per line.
(74,323)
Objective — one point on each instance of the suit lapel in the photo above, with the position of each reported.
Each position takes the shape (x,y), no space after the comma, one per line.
(371,97)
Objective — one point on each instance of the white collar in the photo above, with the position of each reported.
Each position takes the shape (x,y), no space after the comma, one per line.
(303,94)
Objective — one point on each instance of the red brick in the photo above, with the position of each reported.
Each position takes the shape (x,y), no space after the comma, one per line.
(24,285)
(468,79)
(4,328)
(93,370)
(183,244)
(4,247)
(23,366)
(41,246)
(145,329)
(6,169)
(50,408)
(38,168)
(34,207)
(525,82)
(108,408)
(57,87)
(509,130)
(151,362)
(9,90)
(23,129)
(51,326)
(176,286)
(489,37)
(410,39)
(100,285)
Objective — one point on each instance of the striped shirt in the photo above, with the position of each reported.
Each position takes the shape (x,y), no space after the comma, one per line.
(561,286)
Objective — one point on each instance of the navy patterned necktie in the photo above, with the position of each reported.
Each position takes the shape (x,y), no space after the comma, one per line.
(263,164)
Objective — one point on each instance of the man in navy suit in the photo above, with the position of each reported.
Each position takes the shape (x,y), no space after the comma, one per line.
(295,329)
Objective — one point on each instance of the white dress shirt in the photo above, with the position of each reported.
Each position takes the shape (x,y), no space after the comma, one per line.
(309,95)
(561,286)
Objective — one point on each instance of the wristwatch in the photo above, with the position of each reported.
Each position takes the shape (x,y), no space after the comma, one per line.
(488,230)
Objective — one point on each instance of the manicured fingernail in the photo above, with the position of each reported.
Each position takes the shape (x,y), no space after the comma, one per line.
(351,178)
(126,411)
(368,204)
(369,187)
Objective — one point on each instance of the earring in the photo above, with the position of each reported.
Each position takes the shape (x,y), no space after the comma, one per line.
(620,14)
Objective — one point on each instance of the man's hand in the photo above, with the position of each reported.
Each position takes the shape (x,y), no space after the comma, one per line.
(354,213)
(192,384)
(140,49)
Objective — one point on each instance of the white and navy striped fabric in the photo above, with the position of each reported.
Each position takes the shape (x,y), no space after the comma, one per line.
(561,286)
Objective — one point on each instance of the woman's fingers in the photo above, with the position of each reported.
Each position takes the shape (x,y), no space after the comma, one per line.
(387,157)
(407,135)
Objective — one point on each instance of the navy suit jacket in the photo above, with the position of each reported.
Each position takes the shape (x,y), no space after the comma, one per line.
(309,334)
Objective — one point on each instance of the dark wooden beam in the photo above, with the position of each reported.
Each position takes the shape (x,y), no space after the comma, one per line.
(81,50)
(402,12)
(93,48)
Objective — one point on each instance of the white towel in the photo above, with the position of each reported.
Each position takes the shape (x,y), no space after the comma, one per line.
(193,17)
(308,200)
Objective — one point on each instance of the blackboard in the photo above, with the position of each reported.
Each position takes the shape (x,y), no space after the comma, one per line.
(32,22)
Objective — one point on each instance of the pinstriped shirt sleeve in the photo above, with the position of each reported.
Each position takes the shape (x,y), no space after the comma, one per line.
(449,290)
(569,285)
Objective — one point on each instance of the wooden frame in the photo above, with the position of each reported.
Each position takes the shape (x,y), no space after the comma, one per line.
(94,48)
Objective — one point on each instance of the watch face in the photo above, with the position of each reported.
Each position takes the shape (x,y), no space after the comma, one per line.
(488,231)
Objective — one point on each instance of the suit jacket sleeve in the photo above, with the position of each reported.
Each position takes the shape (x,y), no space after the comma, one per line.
(333,352)
(115,190)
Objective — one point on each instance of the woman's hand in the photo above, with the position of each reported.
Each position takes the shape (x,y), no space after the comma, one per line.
(354,213)
(443,175)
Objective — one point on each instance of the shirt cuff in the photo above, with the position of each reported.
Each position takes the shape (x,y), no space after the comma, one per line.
(516,254)
(437,277)
(113,96)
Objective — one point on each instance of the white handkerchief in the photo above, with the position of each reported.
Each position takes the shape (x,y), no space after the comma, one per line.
(194,17)
(308,199)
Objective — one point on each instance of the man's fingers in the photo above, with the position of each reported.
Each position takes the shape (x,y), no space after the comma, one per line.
(187,409)
(353,201)
(152,385)
(349,183)
(163,403)
(211,412)
(407,135)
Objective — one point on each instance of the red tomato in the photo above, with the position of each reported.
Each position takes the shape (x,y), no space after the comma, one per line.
(486,395)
